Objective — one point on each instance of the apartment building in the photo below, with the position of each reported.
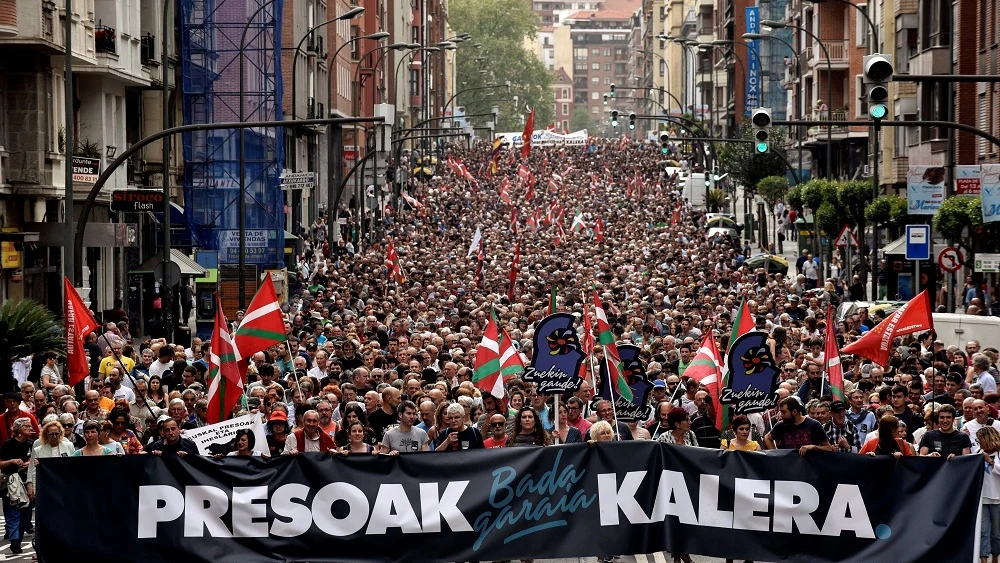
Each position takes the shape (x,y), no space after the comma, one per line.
(601,57)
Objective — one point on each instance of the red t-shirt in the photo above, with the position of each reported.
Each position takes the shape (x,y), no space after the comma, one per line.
(491,443)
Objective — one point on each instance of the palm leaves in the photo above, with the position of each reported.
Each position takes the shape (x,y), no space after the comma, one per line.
(27,327)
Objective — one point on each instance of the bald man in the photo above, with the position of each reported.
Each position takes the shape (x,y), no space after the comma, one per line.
(385,418)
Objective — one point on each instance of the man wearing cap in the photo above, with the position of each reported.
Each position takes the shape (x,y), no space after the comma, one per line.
(841,432)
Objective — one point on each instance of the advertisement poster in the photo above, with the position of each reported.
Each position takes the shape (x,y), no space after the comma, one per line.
(925,187)
(753,64)
(968,179)
(991,192)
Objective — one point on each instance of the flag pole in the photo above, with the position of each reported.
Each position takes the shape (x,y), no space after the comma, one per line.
(128,374)
(611,393)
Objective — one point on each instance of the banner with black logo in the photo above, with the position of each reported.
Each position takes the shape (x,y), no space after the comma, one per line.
(562,501)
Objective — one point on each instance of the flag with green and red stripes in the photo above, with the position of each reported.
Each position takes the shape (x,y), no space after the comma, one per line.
(611,356)
(225,385)
(496,360)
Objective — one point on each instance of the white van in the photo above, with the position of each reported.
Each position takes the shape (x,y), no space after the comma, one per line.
(957,329)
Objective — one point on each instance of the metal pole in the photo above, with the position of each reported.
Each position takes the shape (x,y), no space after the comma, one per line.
(876,130)
(69,269)
(166,27)
(829,99)
(242,204)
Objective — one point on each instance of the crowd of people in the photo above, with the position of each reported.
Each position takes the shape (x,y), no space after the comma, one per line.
(377,365)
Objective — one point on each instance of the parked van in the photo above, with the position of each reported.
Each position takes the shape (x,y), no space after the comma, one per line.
(957,329)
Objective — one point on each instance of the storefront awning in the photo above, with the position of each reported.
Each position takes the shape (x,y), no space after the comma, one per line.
(188,266)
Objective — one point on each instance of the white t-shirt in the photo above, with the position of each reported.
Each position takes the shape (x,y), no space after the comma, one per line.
(158,368)
(973,426)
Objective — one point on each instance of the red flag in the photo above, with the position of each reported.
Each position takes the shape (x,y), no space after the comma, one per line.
(705,369)
(831,356)
(599,230)
(504,193)
(512,279)
(225,386)
(263,326)
(914,316)
(529,128)
(523,172)
(530,195)
(392,261)
(79,323)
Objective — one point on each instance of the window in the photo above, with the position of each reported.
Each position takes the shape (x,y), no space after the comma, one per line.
(595,95)
(565,125)
(607,81)
(983,28)
(414,82)
(579,66)
(607,52)
(555,18)
(565,93)
(906,47)
(595,81)
(595,66)
(593,110)
(565,109)
(595,52)
(415,34)
(607,67)
(861,108)
(580,54)
(861,30)
(663,67)
(355,32)
(935,23)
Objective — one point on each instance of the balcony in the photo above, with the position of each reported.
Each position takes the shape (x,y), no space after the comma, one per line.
(817,133)
(105,40)
(837,50)
(899,167)
(147,50)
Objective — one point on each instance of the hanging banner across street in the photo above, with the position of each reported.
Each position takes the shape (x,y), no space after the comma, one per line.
(552,502)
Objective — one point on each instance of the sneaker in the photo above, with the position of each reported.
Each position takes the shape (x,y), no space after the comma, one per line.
(15,547)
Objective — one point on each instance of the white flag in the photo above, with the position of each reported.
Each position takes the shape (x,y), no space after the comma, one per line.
(474,247)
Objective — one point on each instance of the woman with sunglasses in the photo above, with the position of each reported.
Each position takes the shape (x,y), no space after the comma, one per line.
(123,433)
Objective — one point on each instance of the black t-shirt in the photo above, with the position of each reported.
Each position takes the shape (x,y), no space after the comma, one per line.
(945,443)
(15,449)
(794,436)
(185,445)
(468,439)
(379,422)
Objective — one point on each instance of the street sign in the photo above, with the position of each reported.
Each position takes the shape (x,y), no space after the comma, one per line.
(918,242)
(846,238)
(298,180)
(136,201)
(987,263)
(167,273)
(950,259)
(86,170)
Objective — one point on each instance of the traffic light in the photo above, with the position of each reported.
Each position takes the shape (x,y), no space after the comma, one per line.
(761,120)
(605,99)
(612,90)
(614,118)
(878,74)
(664,143)
(708,181)
(631,120)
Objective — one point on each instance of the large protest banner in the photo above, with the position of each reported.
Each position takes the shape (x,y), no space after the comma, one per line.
(224,432)
(564,501)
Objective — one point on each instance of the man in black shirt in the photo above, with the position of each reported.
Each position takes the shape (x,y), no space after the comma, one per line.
(795,431)
(945,441)
(902,411)
(171,442)
(385,418)
(703,423)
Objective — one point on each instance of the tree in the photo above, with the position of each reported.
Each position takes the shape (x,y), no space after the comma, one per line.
(580,119)
(889,211)
(772,189)
(716,200)
(26,327)
(747,167)
(501,27)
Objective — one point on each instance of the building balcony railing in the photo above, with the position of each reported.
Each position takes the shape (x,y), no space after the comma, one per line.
(819,131)
(837,51)
(105,40)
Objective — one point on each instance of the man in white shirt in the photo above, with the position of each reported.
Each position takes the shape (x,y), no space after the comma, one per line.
(982,418)
(163,362)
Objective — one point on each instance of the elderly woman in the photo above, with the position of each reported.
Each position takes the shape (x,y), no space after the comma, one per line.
(53,443)
(14,456)
(459,435)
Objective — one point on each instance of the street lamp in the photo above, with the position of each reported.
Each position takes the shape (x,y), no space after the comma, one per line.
(665,65)
(829,85)
(798,84)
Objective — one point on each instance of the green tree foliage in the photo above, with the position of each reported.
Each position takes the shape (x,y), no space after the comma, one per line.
(501,27)
(745,165)
(26,327)
(772,189)
(580,119)
(829,218)
(852,197)
(794,198)
(888,211)
(716,200)
(957,213)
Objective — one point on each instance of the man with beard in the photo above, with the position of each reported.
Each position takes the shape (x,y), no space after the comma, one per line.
(795,431)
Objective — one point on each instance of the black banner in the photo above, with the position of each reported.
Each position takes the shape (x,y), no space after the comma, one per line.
(563,501)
